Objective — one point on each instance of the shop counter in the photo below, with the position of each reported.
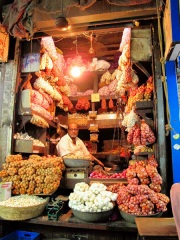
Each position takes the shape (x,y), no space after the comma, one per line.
(150,228)
(68,225)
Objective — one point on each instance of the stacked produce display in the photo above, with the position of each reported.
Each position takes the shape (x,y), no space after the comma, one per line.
(139,196)
(92,203)
(142,195)
(93,198)
(35,175)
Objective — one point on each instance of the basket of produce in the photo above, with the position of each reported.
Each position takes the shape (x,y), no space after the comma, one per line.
(131,218)
(92,203)
(22,207)
(74,161)
(35,175)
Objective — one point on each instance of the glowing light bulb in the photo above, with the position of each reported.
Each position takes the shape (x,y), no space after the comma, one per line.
(75,71)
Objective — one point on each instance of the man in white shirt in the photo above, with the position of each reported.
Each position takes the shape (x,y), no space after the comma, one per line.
(71,144)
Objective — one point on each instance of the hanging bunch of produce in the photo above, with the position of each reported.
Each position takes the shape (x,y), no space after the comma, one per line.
(50,88)
(108,83)
(103,104)
(130,119)
(82,104)
(105,79)
(141,134)
(149,87)
(142,93)
(134,96)
(66,104)
(111,104)
(127,78)
(40,104)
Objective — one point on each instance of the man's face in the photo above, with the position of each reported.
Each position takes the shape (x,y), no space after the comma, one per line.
(73,130)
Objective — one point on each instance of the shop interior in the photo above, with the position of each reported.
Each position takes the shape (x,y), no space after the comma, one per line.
(87,35)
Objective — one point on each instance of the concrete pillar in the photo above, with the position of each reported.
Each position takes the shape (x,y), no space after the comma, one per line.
(8,76)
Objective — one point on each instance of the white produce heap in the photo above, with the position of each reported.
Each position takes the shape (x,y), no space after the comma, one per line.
(94,198)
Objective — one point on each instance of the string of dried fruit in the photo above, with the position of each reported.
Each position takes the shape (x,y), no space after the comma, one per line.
(147,134)
(82,104)
(111,104)
(103,104)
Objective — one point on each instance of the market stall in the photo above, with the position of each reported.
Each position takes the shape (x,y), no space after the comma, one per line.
(114,102)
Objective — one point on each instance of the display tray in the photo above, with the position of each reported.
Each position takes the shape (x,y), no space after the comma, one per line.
(131,218)
(76,162)
(93,216)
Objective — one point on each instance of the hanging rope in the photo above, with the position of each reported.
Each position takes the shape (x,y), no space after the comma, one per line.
(163,77)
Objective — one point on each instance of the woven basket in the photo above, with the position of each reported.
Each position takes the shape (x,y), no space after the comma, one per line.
(22,213)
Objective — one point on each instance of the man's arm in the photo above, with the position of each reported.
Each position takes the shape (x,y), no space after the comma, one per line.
(96,160)
(86,152)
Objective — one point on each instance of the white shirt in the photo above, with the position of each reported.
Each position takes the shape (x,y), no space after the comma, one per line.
(66,146)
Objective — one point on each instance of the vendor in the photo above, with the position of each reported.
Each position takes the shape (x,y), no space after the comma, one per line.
(72,144)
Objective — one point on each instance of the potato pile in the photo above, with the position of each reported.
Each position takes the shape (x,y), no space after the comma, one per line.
(36,175)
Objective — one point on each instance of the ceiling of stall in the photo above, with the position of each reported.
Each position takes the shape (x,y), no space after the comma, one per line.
(101,21)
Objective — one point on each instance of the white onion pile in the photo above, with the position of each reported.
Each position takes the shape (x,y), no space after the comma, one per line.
(94,198)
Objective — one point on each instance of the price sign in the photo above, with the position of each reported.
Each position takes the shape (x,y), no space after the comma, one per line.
(95,97)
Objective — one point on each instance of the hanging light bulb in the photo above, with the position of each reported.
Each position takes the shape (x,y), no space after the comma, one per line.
(91,50)
(61,22)
(76,70)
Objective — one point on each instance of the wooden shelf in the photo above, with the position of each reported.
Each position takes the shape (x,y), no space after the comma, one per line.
(144,154)
(75,98)
(142,108)
(144,105)
(26,146)
(106,181)
(26,118)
